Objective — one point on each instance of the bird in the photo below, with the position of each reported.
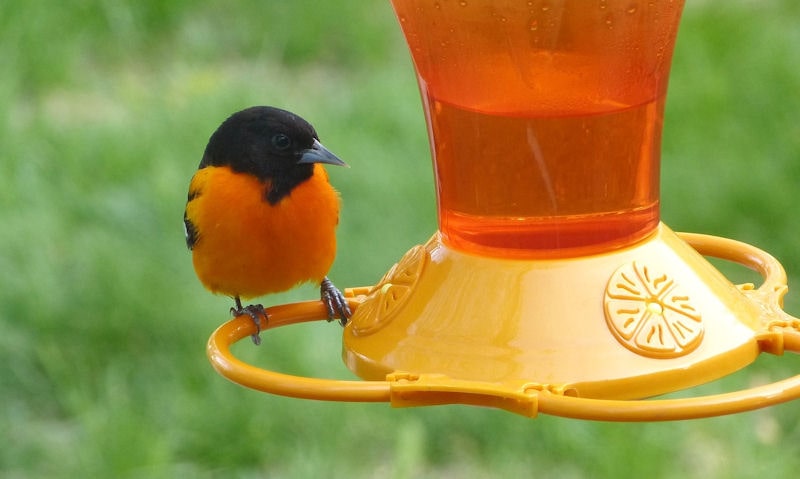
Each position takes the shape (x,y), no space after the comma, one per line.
(261,215)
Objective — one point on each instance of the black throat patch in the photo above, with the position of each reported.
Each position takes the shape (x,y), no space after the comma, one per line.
(281,185)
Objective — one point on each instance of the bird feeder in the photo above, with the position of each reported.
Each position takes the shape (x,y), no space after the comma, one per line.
(551,285)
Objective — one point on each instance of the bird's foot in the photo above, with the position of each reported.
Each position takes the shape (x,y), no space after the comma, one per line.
(335,302)
(256,312)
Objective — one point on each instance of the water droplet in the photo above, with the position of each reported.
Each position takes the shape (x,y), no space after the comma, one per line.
(533,25)
(632,9)
(463,3)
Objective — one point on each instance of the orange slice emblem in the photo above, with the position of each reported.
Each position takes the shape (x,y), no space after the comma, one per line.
(649,313)
(392,291)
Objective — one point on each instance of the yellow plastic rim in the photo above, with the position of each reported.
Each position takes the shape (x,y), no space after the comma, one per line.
(782,333)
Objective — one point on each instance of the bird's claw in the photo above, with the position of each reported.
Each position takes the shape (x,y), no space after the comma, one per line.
(256,312)
(335,302)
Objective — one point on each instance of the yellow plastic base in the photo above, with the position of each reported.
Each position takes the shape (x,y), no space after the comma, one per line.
(632,323)
(575,338)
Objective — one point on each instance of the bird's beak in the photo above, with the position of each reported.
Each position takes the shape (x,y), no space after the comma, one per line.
(319,154)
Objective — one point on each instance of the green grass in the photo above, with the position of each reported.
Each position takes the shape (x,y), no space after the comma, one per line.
(108,106)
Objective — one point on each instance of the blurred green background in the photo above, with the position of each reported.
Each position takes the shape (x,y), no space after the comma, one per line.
(107,106)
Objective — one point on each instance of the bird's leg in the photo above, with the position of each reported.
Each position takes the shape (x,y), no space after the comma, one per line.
(334,301)
(256,312)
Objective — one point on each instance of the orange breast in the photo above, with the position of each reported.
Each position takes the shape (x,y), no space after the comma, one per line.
(247,247)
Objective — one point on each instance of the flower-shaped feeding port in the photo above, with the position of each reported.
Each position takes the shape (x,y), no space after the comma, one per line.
(650,314)
(389,294)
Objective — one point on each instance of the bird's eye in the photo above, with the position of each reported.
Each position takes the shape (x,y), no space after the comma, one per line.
(281,141)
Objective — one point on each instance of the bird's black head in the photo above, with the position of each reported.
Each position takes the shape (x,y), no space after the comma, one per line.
(273,144)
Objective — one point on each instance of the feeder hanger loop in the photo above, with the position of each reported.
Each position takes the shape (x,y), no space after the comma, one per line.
(780,332)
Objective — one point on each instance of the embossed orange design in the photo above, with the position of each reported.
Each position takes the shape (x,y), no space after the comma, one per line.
(386,297)
(650,314)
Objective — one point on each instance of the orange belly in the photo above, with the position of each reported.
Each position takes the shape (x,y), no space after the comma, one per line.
(246,247)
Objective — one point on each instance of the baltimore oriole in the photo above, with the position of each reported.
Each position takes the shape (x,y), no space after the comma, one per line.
(261,215)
